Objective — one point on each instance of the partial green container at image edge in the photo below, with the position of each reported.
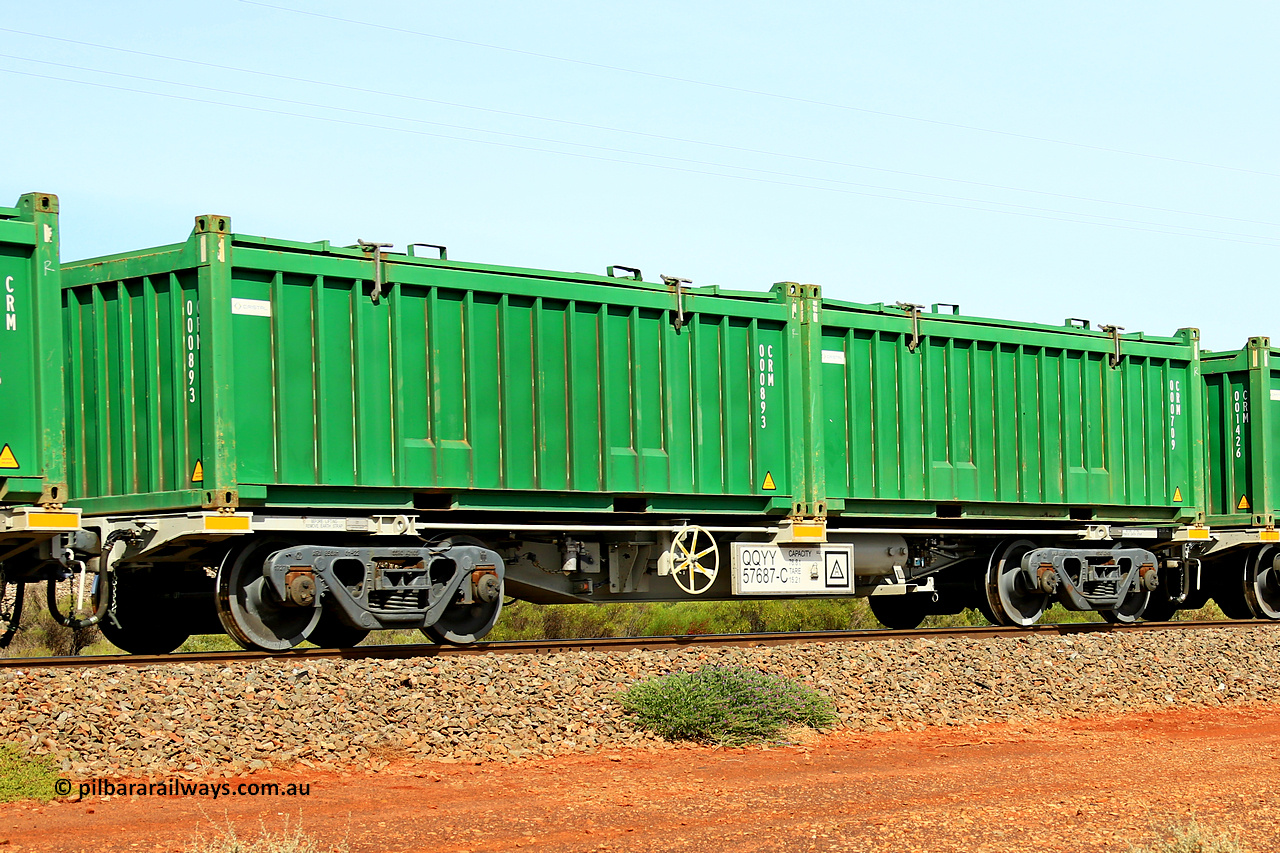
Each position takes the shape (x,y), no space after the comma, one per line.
(236,370)
(1242,401)
(934,414)
(32,434)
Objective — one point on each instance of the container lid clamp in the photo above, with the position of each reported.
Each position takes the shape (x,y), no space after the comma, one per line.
(376,249)
(1114,331)
(678,284)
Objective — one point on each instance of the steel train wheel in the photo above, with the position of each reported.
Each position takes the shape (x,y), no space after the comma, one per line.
(332,633)
(463,624)
(11,596)
(900,612)
(1009,596)
(139,619)
(1159,608)
(1131,609)
(1262,582)
(249,610)
(1230,587)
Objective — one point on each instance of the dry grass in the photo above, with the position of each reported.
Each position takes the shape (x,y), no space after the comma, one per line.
(40,636)
(289,839)
(1194,838)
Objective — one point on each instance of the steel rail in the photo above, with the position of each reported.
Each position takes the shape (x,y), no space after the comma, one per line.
(401,652)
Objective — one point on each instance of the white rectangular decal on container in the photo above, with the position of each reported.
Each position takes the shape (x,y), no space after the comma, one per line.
(833,356)
(1275,393)
(251,307)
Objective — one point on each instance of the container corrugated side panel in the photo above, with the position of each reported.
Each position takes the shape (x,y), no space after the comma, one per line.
(501,387)
(1242,410)
(993,419)
(135,383)
(464,380)
(31,392)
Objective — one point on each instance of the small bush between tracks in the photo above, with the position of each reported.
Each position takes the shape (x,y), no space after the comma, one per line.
(725,704)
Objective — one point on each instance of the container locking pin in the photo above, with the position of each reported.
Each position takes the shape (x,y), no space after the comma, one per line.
(376,249)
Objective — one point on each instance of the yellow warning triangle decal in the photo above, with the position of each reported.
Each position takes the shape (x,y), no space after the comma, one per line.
(1244,503)
(1177,495)
(7,459)
(197,476)
(768,486)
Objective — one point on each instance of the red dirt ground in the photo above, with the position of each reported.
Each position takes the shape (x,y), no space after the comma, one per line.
(1098,784)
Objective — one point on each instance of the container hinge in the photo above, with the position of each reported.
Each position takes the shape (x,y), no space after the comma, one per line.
(1114,331)
(376,249)
(914,310)
(678,284)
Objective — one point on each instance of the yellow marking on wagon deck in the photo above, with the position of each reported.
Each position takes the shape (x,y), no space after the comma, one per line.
(60,520)
(227,523)
(808,531)
(1269,535)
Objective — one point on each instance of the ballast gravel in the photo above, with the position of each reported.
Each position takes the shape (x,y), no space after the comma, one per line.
(201,720)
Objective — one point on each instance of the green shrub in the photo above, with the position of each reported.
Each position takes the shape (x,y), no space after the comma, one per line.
(725,704)
(209,643)
(1194,838)
(25,777)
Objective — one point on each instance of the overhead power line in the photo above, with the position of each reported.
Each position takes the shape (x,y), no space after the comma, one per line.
(758,92)
(1159,228)
(627,131)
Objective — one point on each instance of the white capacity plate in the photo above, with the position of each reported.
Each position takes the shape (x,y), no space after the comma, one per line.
(763,569)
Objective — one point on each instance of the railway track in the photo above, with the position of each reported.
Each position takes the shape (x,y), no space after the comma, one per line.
(612,644)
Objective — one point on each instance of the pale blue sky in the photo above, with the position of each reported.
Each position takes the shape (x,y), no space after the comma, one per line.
(1028,160)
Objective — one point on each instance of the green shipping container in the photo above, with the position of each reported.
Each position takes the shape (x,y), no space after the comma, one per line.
(1242,396)
(938,415)
(33,437)
(231,370)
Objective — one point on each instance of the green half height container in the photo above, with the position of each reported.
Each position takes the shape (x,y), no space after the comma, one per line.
(231,370)
(934,414)
(1242,402)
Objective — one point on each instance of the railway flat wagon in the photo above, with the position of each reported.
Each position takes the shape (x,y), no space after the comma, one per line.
(293,441)
(242,397)
(33,481)
(1242,407)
